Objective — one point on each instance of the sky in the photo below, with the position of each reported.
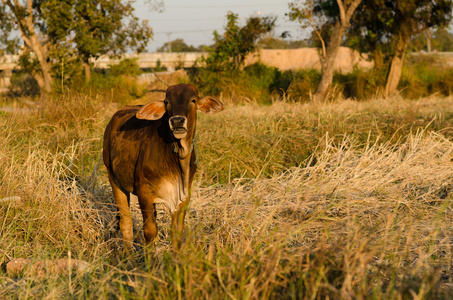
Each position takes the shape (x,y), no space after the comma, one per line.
(194,21)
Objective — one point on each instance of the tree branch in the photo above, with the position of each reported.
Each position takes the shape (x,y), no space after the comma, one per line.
(30,15)
(342,14)
(351,9)
(26,39)
(15,8)
(315,28)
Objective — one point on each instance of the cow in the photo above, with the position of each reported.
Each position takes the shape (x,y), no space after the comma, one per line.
(149,152)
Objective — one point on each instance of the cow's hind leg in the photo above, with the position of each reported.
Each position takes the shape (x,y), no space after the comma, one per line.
(125,219)
(149,213)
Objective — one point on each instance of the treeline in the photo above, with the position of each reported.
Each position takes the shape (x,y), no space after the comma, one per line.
(65,35)
(379,27)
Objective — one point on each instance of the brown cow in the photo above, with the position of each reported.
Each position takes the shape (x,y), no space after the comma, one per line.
(148,151)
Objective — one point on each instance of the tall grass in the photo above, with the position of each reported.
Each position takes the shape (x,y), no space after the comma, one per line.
(254,141)
(365,212)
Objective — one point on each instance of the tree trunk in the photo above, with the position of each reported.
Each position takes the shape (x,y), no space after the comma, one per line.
(87,68)
(428,40)
(25,21)
(378,59)
(328,62)
(43,57)
(347,8)
(47,77)
(396,66)
(39,79)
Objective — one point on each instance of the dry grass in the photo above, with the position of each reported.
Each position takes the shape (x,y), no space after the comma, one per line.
(340,200)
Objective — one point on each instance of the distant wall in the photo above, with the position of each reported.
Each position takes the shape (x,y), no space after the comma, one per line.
(150,60)
(284,59)
(308,58)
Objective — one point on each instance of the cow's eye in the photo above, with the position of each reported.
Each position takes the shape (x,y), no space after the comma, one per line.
(194,101)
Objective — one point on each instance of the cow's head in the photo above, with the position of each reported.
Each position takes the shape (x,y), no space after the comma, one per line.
(181,104)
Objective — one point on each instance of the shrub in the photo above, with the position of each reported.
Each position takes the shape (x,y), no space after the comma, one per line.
(126,67)
(23,84)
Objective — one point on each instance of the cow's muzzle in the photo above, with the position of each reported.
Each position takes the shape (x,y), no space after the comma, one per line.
(178,124)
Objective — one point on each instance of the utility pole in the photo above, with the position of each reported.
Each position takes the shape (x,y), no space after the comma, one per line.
(169,41)
(428,40)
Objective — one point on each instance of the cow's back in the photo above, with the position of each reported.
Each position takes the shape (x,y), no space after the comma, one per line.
(123,139)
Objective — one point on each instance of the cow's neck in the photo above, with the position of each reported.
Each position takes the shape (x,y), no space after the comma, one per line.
(184,148)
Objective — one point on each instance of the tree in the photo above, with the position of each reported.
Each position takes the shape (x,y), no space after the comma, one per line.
(231,48)
(411,18)
(26,17)
(369,30)
(326,17)
(177,45)
(106,27)
(56,31)
(443,40)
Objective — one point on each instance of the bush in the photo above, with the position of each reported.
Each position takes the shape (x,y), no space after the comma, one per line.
(253,82)
(23,85)
(424,75)
(126,67)
(361,84)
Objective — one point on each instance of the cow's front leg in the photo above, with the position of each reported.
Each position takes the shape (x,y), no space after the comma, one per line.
(178,224)
(149,213)
(125,220)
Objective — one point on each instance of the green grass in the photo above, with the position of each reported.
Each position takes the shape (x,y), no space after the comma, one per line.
(340,200)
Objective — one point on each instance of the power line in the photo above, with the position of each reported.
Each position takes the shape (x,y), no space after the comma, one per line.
(216,6)
(193,19)
(187,31)
(211,30)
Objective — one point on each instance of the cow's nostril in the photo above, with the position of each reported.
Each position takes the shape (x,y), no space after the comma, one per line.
(178,124)
(178,121)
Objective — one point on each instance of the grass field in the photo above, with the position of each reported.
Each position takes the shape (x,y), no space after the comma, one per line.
(336,200)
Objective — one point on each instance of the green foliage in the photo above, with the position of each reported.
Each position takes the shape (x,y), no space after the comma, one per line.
(107,27)
(55,19)
(253,82)
(126,67)
(376,29)
(371,27)
(424,75)
(8,43)
(159,67)
(119,84)
(442,41)
(279,43)
(178,45)
(231,48)
(361,84)
(321,14)
(23,84)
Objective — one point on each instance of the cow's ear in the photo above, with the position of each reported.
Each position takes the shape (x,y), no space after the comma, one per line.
(153,110)
(210,105)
